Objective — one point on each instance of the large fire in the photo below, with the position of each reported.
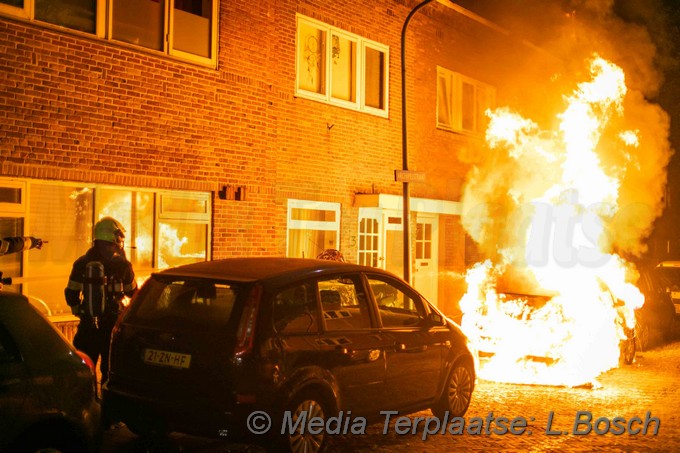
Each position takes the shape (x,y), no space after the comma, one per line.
(554,302)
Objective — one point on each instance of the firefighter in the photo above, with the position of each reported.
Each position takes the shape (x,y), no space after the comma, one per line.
(331,255)
(19,243)
(99,281)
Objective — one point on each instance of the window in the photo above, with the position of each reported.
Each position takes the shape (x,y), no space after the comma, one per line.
(462,102)
(312,228)
(183,222)
(423,241)
(162,229)
(341,68)
(202,302)
(396,308)
(138,22)
(12,206)
(186,29)
(344,304)
(11,265)
(295,310)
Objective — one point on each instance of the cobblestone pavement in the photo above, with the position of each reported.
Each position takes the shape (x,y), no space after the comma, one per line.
(650,385)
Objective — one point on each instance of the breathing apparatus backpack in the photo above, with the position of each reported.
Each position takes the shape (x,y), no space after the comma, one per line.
(102,294)
(94,290)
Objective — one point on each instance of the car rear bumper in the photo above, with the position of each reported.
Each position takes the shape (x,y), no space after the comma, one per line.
(182,415)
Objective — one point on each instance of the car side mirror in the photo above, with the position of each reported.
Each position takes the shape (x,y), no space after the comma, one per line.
(434,320)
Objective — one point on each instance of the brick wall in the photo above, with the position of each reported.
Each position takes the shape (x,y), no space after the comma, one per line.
(77,108)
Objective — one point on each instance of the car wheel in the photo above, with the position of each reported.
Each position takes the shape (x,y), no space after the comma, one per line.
(627,348)
(642,335)
(457,392)
(308,404)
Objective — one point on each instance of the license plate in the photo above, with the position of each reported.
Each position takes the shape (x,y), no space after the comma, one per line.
(167,358)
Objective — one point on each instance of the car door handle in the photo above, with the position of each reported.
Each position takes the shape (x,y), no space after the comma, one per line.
(402,347)
(344,350)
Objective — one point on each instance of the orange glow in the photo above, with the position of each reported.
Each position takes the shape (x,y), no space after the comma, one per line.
(557,201)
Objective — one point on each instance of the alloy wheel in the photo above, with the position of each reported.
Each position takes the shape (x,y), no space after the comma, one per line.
(460,390)
(302,441)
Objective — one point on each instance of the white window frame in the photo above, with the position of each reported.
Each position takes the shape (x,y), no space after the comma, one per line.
(360,74)
(455,101)
(214,32)
(14,209)
(294,224)
(104,28)
(202,218)
(23,13)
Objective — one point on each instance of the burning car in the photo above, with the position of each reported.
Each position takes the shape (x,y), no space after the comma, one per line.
(532,309)
(526,334)
(562,198)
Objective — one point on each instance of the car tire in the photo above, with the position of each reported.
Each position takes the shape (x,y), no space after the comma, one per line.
(455,398)
(642,334)
(315,405)
(628,349)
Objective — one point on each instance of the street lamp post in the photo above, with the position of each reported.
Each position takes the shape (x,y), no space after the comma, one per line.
(404,147)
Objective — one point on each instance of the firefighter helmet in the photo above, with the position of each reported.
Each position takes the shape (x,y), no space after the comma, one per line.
(332,255)
(109,229)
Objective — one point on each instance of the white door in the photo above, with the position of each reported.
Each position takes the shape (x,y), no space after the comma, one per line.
(369,243)
(393,249)
(425,269)
(381,239)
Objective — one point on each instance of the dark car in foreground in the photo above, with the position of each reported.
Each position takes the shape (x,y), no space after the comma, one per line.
(48,396)
(205,345)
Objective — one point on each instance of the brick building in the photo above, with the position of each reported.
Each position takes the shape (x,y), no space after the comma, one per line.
(215,129)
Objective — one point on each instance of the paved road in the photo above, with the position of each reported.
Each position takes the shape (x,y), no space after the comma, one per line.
(651,385)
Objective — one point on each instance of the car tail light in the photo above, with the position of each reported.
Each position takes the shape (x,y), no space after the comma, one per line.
(87,361)
(246,328)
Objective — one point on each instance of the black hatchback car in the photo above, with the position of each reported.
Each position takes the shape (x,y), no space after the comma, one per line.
(48,399)
(205,345)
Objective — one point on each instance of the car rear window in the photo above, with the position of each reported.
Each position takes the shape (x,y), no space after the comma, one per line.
(196,301)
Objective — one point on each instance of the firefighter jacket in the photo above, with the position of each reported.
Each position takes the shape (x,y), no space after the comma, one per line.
(117,270)
(17,244)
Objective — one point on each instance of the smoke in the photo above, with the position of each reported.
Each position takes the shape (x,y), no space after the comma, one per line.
(505,177)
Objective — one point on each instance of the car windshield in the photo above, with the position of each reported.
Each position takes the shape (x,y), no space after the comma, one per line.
(194,301)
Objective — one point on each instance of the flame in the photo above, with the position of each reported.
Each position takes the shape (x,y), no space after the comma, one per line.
(171,243)
(553,303)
